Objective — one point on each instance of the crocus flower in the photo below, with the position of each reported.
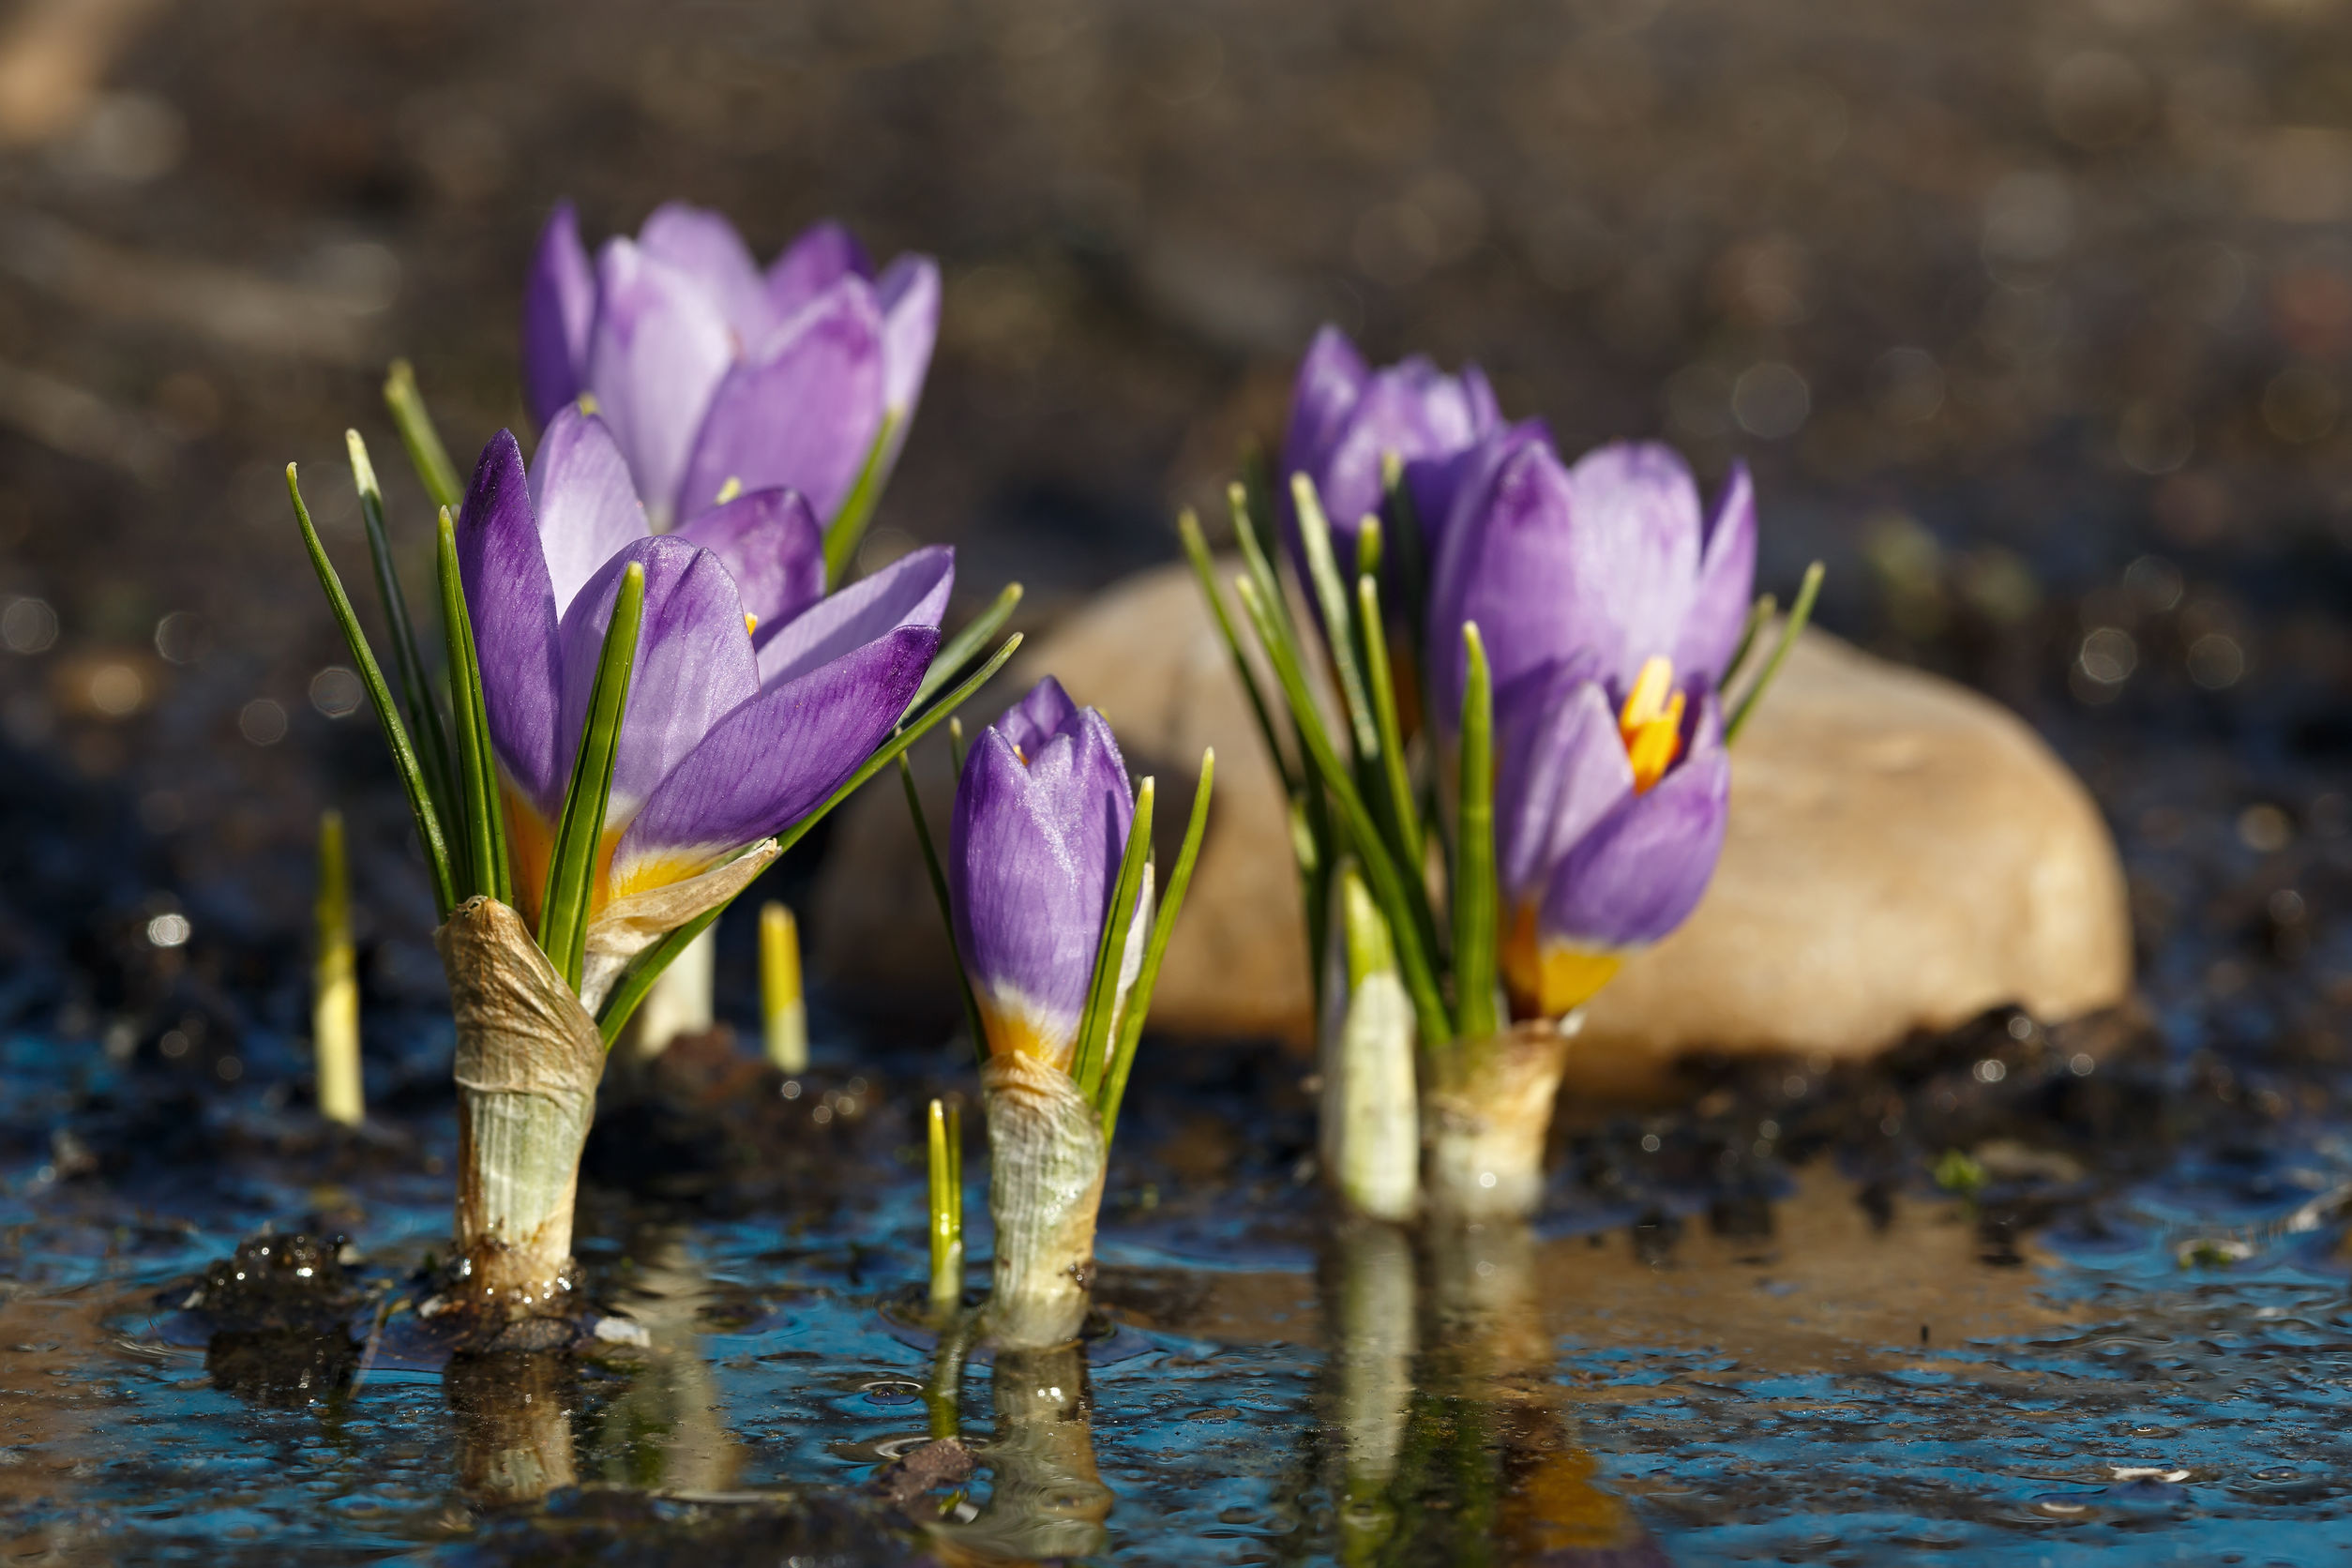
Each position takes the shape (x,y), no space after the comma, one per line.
(1609,605)
(1347,417)
(752,699)
(1042,814)
(717,377)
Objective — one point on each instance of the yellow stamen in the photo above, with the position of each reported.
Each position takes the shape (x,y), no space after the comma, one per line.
(728,491)
(588,403)
(750,622)
(1651,722)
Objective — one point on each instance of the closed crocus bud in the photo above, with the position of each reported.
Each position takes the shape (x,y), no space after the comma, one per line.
(716,377)
(1042,814)
(1346,419)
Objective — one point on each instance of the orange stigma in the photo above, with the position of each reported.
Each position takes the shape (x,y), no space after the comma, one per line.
(1651,722)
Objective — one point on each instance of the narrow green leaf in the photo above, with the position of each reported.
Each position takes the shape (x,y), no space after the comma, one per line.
(1402,898)
(1331,595)
(955,745)
(962,648)
(1403,814)
(906,736)
(420,798)
(1759,616)
(620,1002)
(425,453)
(577,856)
(416,688)
(1411,576)
(847,528)
(946,907)
(1799,613)
(947,1207)
(1114,1087)
(1251,505)
(1095,1024)
(484,816)
(1476,905)
(1204,569)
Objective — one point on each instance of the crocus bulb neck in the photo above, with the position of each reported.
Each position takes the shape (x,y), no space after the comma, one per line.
(1651,722)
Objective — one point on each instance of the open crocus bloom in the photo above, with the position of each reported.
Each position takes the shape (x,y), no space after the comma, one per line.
(716,376)
(1042,813)
(1347,417)
(752,699)
(1609,605)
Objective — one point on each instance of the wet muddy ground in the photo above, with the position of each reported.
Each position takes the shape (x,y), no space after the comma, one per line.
(2033,319)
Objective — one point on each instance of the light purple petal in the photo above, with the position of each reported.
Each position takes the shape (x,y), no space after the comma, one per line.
(1510,508)
(1046,712)
(1330,378)
(1637,547)
(823,255)
(775,758)
(769,541)
(658,350)
(907,294)
(912,591)
(586,505)
(512,605)
(705,247)
(1726,584)
(1562,767)
(1641,871)
(694,663)
(802,413)
(559,301)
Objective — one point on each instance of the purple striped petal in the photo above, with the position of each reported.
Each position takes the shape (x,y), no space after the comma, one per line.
(694,663)
(802,413)
(773,759)
(1041,822)
(1511,509)
(1726,584)
(912,591)
(1635,527)
(1641,871)
(823,255)
(705,247)
(1562,767)
(907,294)
(1330,378)
(586,505)
(512,605)
(559,301)
(658,350)
(770,543)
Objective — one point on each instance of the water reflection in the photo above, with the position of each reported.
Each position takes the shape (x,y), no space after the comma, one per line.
(513,1421)
(667,1431)
(1046,1499)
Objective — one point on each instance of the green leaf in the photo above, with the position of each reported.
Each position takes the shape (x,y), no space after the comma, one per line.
(416,688)
(420,798)
(1476,905)
(485,818)
(577,856)
(1095,1024)
(425,453)
(620,1003)
(946,907)
(847,530)
(1759,616)
(962,648)
(1204,569)
(1411,575)
(1799,613)
(947,1205)
(1114,1088)
(955,746)
(1331,595)
(1404,818)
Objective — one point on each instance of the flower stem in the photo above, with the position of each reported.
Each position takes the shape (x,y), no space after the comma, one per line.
(783,1012)
(335,989)
(947,1208)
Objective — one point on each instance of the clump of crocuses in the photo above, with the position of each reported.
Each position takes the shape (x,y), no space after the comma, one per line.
(1551,714)
(1050,889)
(638,724)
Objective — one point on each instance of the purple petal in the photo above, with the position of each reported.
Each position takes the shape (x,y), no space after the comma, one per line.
(908,295)
(1330,378)
(1033,855)
(1562,768)
(694,663)
(1641,871)
(775,758)
(1726,584)
(586,505)
(658,350)
(802,413)
(1637,530)
(512,605)
(770,543)
(559,301)
(1510,506)
(823,255)
(912,591)
(1046,712)
(705,247)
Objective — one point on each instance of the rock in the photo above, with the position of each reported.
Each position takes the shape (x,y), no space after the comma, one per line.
(1904,853)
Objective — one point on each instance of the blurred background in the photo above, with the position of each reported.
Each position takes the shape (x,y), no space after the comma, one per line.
(2034,319)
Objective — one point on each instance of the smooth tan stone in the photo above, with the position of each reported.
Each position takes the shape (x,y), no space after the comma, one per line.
(1904,853)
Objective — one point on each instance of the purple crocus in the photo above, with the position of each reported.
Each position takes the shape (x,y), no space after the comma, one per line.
(752,698)
(717,377)
(1610,603)
(1042,814)
(1345,420)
